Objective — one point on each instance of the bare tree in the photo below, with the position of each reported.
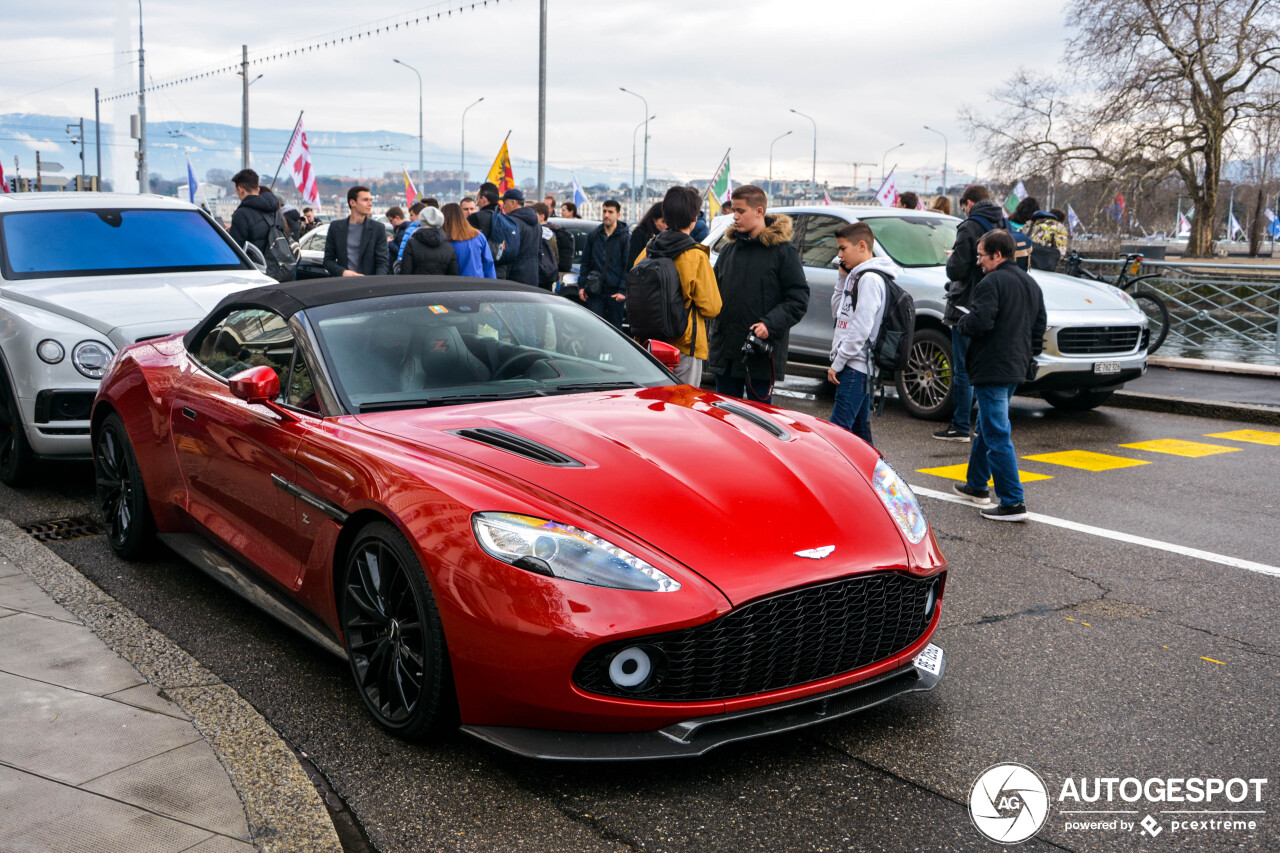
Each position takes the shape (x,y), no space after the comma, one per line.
(1262,168)
(1171,80)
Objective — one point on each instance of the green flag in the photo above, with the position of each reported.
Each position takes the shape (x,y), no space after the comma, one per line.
(719,191)
(1011,203)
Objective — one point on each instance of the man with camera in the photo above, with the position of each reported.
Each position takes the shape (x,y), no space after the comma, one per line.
(602,278)
(764,292)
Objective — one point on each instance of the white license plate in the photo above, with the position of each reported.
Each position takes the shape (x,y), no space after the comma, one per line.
(1105,367)
(930,660)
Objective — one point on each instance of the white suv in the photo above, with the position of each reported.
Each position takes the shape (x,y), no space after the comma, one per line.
(81,275)
(1095,342)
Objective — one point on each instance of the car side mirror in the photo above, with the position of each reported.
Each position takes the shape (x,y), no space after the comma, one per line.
(256,257)
(256,385)
(667,355)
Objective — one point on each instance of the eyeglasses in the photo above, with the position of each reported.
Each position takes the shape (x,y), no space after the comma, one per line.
(984,254)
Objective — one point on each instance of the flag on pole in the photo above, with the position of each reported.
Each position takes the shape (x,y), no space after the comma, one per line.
(721,188)
(1017,195)
(1073,221)
(500,172)
(4,184)
(298,157)
(1184,226)
(192,183)
(1274,227)
(410,191)
(887,195)
(1116,208)
(826,197)
(1233,228)
(579,197)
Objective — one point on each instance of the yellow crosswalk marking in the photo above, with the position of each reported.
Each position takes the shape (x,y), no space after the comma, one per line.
(1178,447)
(1086,459)
(959,472)
(1254,436)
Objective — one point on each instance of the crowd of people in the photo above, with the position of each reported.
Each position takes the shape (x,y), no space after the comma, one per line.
(741,310)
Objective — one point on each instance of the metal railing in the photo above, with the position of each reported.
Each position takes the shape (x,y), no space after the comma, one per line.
(1220,311)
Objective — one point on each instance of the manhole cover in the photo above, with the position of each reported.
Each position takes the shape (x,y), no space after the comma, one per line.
(64,528)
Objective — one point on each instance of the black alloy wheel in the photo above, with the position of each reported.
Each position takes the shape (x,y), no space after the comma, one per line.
(1080,400)
(122,499)
(924,385)
(394,639)
(16,458)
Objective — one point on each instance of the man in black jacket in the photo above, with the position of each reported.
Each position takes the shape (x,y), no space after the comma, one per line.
(357,245)
(524,267)
(765,293)
(602,277)
(963,273)
(1005,325)
(258,208)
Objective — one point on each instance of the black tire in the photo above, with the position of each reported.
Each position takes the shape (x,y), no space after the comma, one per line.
(924,385)
(16,459)
(1080,400)
(394,640)
(1157,317)
(122,498)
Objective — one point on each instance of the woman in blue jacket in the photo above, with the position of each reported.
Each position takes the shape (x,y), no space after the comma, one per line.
(472,248)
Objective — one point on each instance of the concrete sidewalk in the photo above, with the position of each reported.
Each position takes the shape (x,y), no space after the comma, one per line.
(149,753)
(1205,388)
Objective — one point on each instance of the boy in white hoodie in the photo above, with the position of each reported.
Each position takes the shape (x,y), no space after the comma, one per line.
(857,304)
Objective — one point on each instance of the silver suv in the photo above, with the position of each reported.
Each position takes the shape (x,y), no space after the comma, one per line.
(1095,342)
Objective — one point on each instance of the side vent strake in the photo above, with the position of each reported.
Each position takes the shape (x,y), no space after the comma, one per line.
(511,443)
(774,429)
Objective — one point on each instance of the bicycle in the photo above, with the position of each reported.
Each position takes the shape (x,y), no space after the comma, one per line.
(1150,303)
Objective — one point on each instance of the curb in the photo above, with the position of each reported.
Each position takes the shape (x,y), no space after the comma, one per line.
(1206,365)
(1198,408)
(283,808)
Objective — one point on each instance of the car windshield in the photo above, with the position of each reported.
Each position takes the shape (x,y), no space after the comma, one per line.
(914,241)
(47,243)
(435,349)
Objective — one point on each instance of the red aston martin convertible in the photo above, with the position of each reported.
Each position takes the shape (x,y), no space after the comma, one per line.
(504,514)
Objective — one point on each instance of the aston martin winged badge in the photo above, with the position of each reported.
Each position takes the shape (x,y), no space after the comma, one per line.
(817,553)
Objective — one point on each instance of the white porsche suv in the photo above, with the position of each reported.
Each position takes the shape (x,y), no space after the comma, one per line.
(1095,342)
(81,275)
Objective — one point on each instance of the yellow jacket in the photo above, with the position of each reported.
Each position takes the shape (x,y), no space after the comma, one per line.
(701,291)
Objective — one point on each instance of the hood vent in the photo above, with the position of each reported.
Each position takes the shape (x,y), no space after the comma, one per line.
(512,443)
(774,429)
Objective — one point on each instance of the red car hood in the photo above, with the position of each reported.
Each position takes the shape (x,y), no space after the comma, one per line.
(711,489)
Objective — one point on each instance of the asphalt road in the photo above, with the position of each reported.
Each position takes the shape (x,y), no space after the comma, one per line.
(1072,652)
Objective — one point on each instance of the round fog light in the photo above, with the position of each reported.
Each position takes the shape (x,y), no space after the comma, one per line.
(50,351)
(630,667)
(930,599)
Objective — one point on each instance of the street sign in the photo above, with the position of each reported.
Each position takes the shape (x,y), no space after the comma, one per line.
(50,166)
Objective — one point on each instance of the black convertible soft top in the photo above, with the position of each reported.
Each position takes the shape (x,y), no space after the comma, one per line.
(288,298)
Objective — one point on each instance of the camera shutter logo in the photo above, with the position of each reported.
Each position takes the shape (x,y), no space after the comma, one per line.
(1009,803)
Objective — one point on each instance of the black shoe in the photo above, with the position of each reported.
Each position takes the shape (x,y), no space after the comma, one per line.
(951,434)
(1000,512)
(978,496)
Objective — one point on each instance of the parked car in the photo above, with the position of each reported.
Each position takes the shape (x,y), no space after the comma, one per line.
(422,476)
(82,275)
(1095,342)
(311,258)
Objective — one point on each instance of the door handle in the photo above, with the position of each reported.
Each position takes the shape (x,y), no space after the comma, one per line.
(190,413)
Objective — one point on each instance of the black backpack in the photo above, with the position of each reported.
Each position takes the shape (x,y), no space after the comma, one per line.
(892,347)
(548,266)
(656,308)
(282,252)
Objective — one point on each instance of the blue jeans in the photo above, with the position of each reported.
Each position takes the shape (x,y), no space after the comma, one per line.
(852,409)
(961,390)
(737,386)
(991,456)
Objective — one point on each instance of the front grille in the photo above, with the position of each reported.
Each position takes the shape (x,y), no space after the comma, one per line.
(789,639)
(1098,340)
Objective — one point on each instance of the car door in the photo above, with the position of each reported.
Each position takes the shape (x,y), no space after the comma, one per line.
(812,335)
(233,455)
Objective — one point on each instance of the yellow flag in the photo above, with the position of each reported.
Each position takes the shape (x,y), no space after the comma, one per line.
(500,172)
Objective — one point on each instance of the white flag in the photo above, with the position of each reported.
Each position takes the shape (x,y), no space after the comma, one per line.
(1020,191)
(888,194)
(1233,228)
(1184,226)
(298,158)
(1073,221)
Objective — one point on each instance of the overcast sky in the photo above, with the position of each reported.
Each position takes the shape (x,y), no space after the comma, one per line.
(716,74)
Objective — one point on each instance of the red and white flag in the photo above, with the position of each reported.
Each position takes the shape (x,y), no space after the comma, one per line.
(888,194)
(298,158)
(826,197)
(4,184)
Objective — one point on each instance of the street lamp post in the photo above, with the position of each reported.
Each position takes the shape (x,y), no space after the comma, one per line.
(788,133)
(462,178)
(635,214)
(813,181)
(142,110)
(415,71)
(944,156)
(886,157)
(644,181)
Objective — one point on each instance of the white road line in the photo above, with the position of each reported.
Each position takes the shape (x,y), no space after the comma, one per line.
(1208,556)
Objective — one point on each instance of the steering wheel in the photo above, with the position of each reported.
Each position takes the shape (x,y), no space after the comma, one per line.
(501,372)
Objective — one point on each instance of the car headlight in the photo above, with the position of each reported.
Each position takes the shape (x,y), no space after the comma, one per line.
(50,351)
(565,552)
(901,502)
(1124,297)
(91,358)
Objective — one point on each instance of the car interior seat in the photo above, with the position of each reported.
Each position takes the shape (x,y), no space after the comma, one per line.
(440,359)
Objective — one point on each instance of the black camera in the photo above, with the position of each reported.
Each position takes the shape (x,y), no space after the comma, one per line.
(754,347)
